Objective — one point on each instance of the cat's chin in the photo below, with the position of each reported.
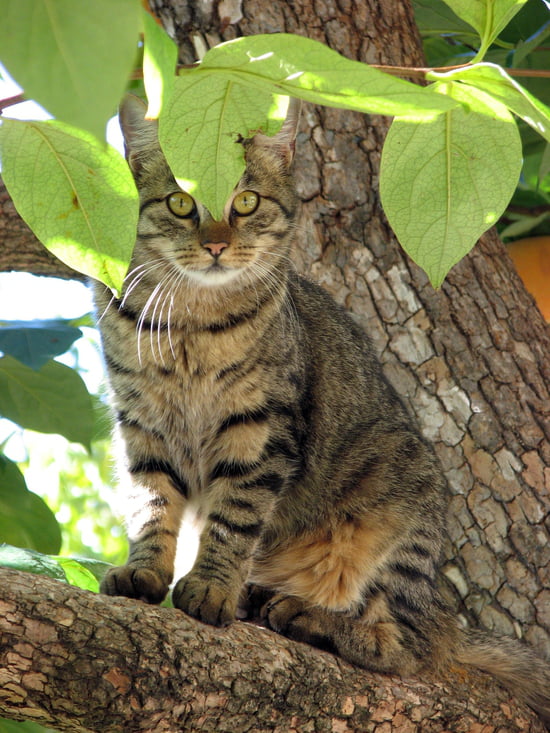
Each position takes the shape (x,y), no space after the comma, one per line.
(213,276)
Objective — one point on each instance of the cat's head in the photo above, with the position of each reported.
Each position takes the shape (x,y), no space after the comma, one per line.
(253,237)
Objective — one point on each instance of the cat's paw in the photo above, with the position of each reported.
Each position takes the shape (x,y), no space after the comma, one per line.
(205,601)
(300,621)
(280,611)
(132,582)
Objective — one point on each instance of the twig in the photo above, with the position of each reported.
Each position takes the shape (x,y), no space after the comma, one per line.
(9,101)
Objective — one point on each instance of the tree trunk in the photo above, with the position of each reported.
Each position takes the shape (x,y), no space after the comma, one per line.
(473,362)
(144,668)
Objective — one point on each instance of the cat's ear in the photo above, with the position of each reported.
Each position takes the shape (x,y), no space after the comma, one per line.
(140,135)
(284,142)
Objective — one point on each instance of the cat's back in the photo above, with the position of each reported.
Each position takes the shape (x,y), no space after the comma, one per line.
(340,354)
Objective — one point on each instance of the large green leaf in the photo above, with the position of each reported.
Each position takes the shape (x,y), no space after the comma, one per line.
(495,81)
(76,194)
(199,140)
(25,519)
(53,399)
(444,182)
(74,58)
(35,342)
(236,82)
(488,17)
(301,67)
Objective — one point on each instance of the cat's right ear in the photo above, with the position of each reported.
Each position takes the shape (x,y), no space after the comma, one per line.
(140,135)
(284,142)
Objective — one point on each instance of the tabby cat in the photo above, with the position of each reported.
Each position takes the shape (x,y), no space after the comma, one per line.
(246,396)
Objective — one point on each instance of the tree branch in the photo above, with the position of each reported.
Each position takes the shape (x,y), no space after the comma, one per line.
(84,662)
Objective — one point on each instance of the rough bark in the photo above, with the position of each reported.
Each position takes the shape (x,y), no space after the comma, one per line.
(472,360)
(144,668)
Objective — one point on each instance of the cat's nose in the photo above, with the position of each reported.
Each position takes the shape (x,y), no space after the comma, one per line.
(215,248)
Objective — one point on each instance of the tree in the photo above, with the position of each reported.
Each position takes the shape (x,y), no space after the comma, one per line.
(471,359)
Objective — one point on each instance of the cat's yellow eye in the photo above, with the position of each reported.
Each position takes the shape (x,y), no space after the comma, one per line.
(181,204)
(245,203)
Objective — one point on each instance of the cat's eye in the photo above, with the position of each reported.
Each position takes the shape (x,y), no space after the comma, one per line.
(181,204)
(245,203)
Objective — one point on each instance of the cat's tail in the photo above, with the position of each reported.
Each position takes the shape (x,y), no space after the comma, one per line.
(513,663)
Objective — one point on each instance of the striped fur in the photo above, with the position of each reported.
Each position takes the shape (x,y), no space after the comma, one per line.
(243,393)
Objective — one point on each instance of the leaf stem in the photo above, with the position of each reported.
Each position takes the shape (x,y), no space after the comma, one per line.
(419,72)
(9,101)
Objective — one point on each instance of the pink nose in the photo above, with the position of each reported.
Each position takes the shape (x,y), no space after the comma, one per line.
(215,248)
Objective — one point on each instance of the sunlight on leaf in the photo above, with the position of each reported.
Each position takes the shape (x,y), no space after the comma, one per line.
(495,81)
(307,69)
(488,17)
(444,182)
(73,58)
(77,574)
(201,141)
(76,194)
(160,56)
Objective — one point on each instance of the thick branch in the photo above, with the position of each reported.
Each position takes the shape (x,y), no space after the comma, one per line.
(83,662)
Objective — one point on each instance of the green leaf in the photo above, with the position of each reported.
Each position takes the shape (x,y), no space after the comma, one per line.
(73,58)
(77,574)
(79,571)
(523,225)
(236,82)
(96,568)
(160,57)
(444,182)
(524,48)
(53,399)
(203,138)
(435,17)
(35,342)
(488,17)
(30,561)
(300,67)
(76,194)
(26,726)
(495,81)
(25,519)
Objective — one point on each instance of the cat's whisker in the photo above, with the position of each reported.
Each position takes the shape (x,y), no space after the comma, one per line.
(166,294)
(142,317)
(137,275)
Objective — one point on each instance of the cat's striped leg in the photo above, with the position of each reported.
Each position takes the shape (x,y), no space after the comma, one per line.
(155,502)
(211,591)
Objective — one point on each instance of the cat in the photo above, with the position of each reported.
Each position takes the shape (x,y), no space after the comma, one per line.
(245,394)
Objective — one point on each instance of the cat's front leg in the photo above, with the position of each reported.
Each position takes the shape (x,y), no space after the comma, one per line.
(211,591)
(155,505)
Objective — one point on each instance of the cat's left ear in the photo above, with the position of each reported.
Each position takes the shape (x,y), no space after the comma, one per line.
(284,142)
(140,134)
